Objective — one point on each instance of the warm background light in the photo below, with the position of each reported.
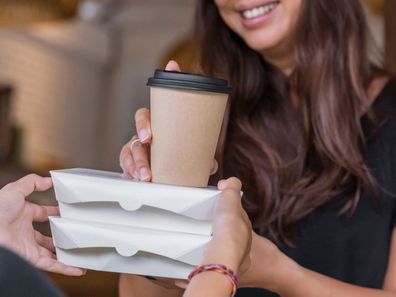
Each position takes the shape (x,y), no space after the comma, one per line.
(20,12)
(377,6)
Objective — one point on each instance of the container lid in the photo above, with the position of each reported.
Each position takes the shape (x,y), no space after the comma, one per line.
(181,80)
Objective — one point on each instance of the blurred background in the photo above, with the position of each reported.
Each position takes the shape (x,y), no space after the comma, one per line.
(73,73)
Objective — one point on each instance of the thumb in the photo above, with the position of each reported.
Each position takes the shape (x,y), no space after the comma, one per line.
(172,66)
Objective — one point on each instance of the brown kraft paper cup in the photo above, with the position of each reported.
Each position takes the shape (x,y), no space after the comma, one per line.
(186,120)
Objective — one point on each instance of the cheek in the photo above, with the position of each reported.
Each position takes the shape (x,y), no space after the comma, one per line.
(230,18)
(221,3)
(294,11)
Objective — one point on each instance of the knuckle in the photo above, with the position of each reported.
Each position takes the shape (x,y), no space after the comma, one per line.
(33,176)
(235,181)
(125,150)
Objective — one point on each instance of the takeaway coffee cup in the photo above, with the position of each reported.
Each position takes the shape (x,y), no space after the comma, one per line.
(187,111)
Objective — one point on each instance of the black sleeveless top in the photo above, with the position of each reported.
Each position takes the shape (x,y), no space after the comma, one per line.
(354,249)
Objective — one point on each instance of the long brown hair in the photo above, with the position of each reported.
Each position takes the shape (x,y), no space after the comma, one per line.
(291,161)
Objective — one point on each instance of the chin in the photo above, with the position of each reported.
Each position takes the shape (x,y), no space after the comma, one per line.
(263,42)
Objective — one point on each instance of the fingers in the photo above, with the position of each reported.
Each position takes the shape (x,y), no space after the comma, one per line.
(134,160)
(215,167)
(172,66)
(52,210)
(143,126)
(182,284)
(126,161)
(230,199)
(141,161)
(41,213)
(44,241)
(232,183)
(166,283)
(29,184)
(47,263)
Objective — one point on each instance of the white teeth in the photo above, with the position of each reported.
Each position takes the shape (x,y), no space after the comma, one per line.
(258,11)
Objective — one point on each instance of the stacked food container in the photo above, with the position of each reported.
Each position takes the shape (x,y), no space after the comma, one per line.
(112,223)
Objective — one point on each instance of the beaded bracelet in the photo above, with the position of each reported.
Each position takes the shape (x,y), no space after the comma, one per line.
(217,268)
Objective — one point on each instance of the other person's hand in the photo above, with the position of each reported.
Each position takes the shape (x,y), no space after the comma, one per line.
(16,229)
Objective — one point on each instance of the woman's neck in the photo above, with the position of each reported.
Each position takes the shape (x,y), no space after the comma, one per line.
(282,57)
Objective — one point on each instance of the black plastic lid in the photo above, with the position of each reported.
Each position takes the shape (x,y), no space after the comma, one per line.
(181,80)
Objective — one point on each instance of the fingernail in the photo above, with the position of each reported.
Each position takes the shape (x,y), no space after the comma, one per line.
(144,174)
(169,63)
(143,135)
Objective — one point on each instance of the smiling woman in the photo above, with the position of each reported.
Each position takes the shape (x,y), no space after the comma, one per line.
(309,131)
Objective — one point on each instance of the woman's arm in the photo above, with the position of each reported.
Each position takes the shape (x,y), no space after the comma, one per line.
(278,273)
(229,246)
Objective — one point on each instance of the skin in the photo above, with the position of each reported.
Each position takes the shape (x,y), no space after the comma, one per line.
(232,228)
(16,229)
(271,38)
(269,268)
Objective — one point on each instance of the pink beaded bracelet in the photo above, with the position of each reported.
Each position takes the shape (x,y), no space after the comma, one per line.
(223,269)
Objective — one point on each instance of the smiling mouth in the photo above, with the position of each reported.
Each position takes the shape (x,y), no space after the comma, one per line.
(260,10)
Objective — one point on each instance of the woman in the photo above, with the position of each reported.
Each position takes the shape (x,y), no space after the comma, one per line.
(310,133)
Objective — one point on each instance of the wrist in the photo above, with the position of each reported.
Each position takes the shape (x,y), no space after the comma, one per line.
(271,270)
(221,253)
(286,277)
(210,283)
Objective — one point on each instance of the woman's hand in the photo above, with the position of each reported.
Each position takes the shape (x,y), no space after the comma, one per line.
(16,229)
(235,244)
(135,155)
(230,245)
(232,230)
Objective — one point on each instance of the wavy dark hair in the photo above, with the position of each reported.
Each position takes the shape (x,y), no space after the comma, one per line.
(293,160)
